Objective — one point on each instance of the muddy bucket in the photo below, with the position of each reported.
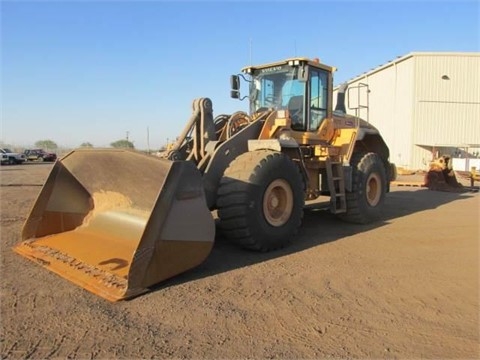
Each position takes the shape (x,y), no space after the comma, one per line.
(116,222)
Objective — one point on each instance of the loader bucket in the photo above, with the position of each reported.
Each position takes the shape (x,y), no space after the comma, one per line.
(116,222)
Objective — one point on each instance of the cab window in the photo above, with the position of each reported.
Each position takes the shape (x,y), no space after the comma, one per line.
(318,98)
(293,92)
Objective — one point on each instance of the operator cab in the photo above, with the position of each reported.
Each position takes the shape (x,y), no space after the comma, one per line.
(299,85)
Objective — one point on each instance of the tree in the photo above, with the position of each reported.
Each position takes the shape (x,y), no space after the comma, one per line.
(46,144)
(86,144)
(122,144)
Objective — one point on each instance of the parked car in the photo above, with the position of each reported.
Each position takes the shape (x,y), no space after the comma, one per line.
(4,158)
(39,155)
(11,158)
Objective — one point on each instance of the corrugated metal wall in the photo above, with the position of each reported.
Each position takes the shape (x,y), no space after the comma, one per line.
(447,102)
(390,106)
(411,104)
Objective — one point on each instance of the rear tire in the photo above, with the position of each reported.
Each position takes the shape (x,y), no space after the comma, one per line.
(260,200)
(369,185)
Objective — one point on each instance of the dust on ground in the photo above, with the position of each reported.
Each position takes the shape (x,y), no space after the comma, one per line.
(404,287)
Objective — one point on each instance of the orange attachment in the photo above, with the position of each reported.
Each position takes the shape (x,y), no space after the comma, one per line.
(116,222)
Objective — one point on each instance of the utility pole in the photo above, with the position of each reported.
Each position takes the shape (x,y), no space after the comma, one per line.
(148,141)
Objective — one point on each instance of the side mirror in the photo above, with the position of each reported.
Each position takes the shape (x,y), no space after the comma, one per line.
(235,82)
(235,85)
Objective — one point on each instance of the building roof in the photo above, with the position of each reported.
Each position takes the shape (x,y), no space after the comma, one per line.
(399,59)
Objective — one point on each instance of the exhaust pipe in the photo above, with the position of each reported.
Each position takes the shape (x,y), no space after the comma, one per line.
(340,107)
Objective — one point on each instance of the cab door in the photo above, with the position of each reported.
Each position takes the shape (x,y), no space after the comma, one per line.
(319,101)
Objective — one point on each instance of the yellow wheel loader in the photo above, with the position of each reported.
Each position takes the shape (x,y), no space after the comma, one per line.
(116,222)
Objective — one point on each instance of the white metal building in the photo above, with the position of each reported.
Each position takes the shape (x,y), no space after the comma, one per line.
(422,102)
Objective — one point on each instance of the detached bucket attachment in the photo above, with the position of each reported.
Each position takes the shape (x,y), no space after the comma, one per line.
(116,222)
(441,177)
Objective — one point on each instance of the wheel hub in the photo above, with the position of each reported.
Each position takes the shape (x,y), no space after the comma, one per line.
(374,189)
(278,202)
(274,201)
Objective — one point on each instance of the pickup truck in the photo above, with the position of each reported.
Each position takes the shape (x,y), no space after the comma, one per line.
(39,155)
(11,158)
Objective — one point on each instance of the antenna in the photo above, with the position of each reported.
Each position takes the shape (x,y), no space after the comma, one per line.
(250,51)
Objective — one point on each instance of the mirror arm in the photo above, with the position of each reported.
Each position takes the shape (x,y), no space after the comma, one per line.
(244,78)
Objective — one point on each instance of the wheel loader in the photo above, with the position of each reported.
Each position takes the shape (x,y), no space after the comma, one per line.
(116,222)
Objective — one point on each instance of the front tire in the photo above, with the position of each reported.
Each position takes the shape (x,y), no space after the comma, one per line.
(260,200)
(369,185)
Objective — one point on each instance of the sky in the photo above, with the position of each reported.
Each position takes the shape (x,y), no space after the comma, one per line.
(101,71)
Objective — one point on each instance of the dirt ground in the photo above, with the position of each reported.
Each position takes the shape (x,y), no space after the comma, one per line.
(405,287)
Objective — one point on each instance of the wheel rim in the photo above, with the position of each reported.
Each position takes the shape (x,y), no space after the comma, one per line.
(278,202)
(374,189)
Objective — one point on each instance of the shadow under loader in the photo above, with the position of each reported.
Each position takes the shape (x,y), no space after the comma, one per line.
(319,227)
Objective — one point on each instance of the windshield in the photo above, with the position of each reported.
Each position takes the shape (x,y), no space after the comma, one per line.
(276,87)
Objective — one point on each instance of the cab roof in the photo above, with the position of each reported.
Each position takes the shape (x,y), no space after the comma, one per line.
(296,60)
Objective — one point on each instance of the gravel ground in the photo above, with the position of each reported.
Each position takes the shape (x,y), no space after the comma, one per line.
(404,287)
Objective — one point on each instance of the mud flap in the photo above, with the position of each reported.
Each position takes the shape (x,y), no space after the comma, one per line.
(116,222)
